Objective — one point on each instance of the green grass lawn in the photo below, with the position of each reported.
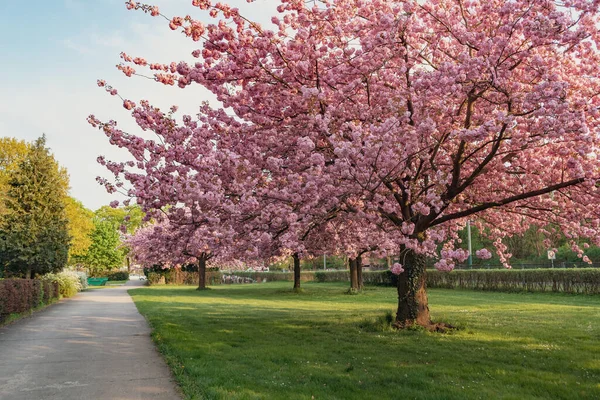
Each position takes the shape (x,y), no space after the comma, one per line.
(264,341)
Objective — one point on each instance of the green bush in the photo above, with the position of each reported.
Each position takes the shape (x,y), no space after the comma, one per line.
(582,280)
(69,282)
(82,279)
(333,276)
(118,276)
(154,278)
(112,275)
(305,276)
(177,276)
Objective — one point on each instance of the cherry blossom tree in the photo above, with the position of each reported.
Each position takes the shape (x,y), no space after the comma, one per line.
(412,115)
(178,240)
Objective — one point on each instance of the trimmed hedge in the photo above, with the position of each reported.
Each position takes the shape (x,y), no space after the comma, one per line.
(179,277)
(22,295)
(113,275)
(118,276)
(581,280)
(307,276)
(584,280)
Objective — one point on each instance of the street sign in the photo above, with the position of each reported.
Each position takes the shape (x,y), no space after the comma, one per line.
(551,255)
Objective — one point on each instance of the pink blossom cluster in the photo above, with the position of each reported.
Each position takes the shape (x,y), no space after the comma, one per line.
(397,269)
(351,128)
(484,254)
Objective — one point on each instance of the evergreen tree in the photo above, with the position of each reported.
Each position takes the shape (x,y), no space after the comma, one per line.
(34,237)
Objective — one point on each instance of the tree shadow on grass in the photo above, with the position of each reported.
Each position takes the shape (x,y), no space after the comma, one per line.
(236,345)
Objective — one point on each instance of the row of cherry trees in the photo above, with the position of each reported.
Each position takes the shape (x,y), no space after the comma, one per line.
(353,126)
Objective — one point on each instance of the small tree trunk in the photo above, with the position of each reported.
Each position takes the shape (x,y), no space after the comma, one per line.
(412,295)
(201,273)
(353,274)
(359,275)
(296,271)
(29,273)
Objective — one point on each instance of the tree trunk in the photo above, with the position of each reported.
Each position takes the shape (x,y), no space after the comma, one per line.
(29,273)
(412,295)
(296,271)
(201,273)
(359,275)
(353,275)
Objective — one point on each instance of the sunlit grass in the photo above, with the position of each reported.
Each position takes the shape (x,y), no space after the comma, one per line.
(264,341)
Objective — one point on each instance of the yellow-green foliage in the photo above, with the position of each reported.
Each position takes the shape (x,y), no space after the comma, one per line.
(69,282)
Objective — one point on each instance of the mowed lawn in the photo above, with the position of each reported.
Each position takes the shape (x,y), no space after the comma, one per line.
(263,341)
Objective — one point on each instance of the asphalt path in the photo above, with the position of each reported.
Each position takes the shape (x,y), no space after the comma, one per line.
(93,346)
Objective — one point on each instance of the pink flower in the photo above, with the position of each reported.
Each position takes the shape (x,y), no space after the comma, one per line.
(397,269)
(114,203)
(484,254)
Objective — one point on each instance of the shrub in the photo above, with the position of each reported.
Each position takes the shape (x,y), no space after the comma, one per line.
(22,295)
(118,276)
(583,280)
(51,291)
(532,280)
(154,278)
(275,276)
(178,276)
(69,282)
(82,279)
(333,276)
(113,275)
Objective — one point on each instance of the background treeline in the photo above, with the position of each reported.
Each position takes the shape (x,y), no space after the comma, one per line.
(42,228)
(527,250)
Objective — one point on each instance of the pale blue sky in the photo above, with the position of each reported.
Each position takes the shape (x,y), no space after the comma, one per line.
(52,53)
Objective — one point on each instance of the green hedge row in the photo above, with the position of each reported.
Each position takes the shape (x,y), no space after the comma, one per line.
(178,277)
(369,277)
(581,280)
(113,275)
(22,295)
(274,276)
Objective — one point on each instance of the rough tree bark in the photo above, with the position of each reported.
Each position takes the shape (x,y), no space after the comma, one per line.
(359,272)
(413,307)
(201,273)
(353,274)
(296,271)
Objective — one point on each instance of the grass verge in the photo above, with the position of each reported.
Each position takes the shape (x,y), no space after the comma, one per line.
(12,318)
(264,341)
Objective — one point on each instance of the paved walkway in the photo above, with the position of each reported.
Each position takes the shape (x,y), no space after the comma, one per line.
(93,346)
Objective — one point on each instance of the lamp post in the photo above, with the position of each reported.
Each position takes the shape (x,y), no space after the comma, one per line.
(324,262)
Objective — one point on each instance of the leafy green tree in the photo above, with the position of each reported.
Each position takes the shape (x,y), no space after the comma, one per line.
(105,251)
(131,217)
(12,153)
(34,237)
(81,225)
